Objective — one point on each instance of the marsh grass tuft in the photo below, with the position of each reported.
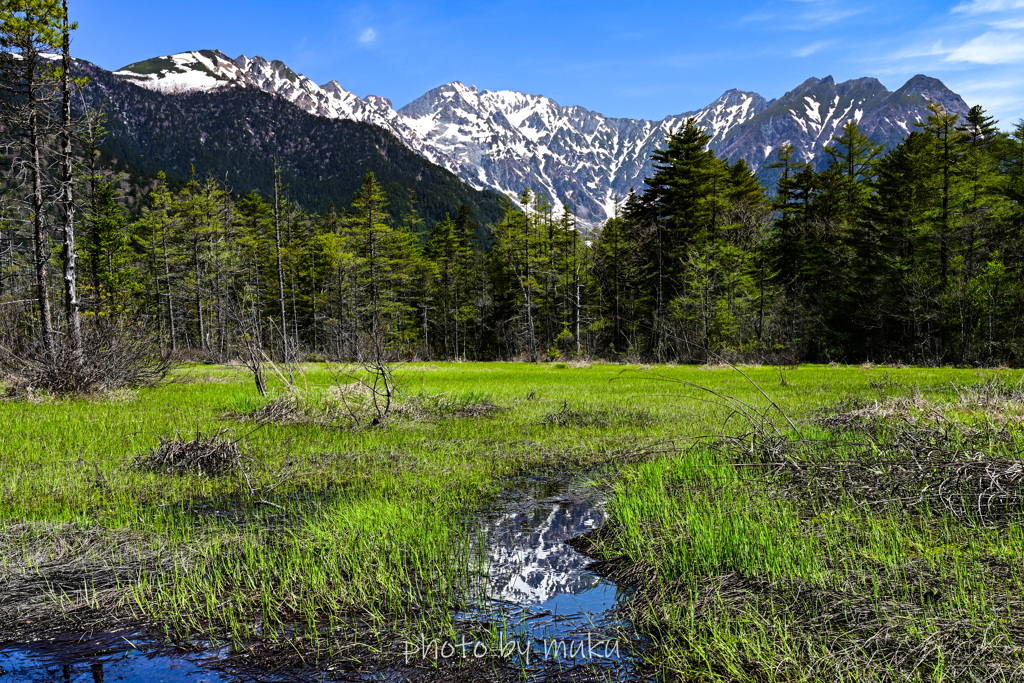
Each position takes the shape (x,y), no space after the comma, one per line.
(447,406)
(590,416)
(288,409)
(996,400)
(351,406)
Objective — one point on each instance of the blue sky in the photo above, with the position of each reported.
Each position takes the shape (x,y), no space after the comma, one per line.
(627,58)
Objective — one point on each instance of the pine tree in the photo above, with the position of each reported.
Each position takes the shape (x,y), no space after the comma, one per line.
(386,261)
(197,208)
(943,159)
(899,258)
(978,167)
(155,229)
(28,30)
(109,258)
(853,156)
(255,224)
(447,250)
(513,261)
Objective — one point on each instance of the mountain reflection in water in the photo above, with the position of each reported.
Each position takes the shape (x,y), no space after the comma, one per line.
(538,585)
(528,559)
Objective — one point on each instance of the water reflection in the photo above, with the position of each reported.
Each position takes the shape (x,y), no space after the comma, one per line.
(98,660)
(528,559)
(540,589)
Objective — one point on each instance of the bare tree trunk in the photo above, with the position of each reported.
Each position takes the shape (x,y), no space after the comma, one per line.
(170,296)
(426,333)
(199,297)
(577,309)
(3,256)
(577,302)
(659,306)
(38,208)
(71,303)
(154,268)
(313,287)
(280,267)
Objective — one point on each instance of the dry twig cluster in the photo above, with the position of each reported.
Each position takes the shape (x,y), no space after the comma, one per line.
(112,358)
(210,456)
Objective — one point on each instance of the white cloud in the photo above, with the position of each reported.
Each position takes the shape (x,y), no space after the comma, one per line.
(368,36)
(1003,98)
(993,47)
(823,16)
(814,14)
(976,47)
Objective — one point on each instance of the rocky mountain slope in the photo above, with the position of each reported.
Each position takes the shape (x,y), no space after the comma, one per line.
(235,134)
(507,140)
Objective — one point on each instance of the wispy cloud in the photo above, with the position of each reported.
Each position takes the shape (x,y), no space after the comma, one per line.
(1002,97)
(813,14)
(808,50)
(825,15)
(1009,24)
(977,47)
(368,36)
(991,48)
(988,6)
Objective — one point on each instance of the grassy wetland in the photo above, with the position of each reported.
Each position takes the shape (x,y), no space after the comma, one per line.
(813,523)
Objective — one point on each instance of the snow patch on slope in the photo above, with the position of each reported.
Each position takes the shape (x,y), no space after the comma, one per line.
(185,72)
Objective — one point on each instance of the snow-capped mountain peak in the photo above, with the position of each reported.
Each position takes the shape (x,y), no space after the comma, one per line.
(184,72)
(507,141)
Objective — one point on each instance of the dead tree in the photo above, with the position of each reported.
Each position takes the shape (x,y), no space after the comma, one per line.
(26,34)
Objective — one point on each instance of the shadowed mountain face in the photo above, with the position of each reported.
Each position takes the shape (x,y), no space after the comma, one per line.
(235,134)
(507,140)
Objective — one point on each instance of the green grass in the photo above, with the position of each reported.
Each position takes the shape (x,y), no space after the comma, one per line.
(337,536)
(859,555)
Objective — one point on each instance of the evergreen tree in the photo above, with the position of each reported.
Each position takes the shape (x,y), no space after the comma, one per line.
(451,257)
(853,157)
(28,30)
(513,261)
(109,257)
(384,261)
(899,258)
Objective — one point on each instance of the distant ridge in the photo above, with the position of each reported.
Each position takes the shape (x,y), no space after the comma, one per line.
(507,140)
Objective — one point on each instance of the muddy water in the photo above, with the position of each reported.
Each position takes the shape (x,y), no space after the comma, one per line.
(541,608)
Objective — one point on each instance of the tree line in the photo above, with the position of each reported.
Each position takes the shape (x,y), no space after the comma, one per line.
(907,256)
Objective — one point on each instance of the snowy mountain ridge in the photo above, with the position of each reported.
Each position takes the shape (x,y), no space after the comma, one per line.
(506,140)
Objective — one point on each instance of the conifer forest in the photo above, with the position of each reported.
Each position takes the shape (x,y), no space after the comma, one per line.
(907,255)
